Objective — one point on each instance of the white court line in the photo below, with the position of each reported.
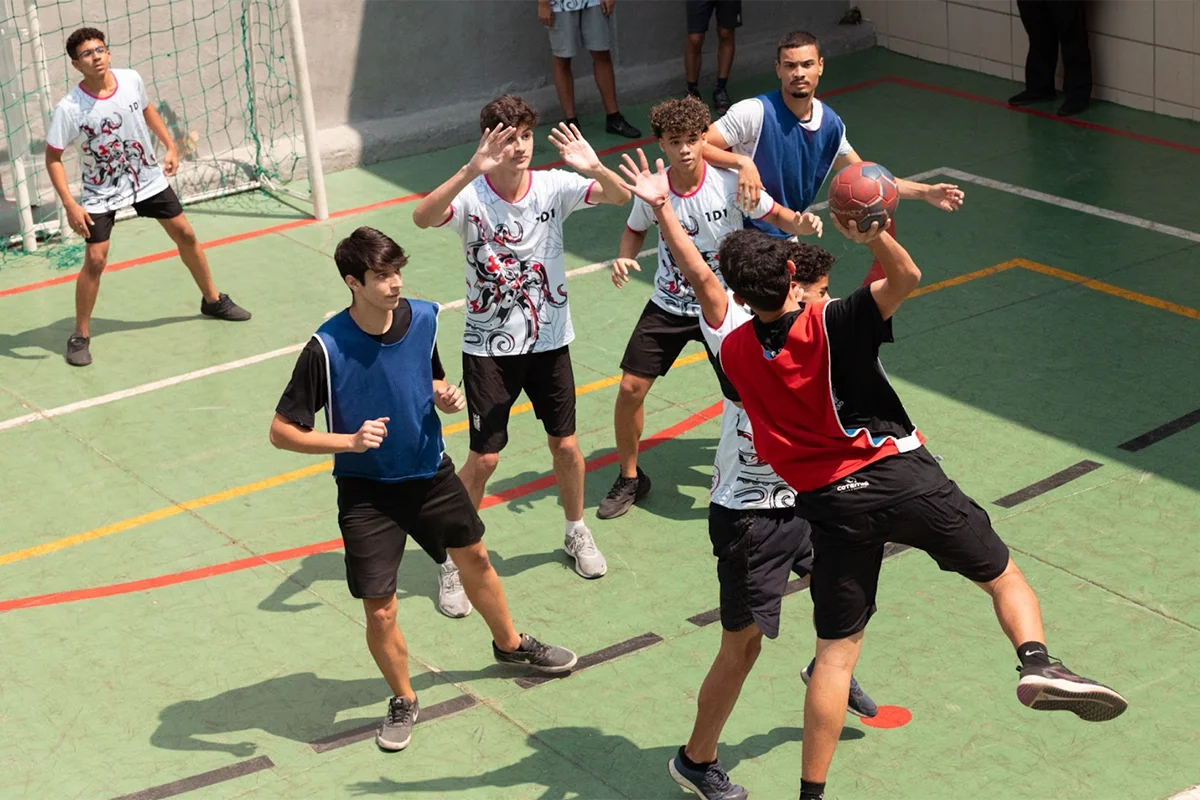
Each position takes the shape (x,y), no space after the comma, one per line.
(112,397)
(1188,794)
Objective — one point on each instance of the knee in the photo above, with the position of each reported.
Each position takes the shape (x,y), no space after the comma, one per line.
(93,265)
(564,448)
(634,388)
(601,57)
(381,614)
(471,559)
(485,463)
(185,237)
(741,652)
(726,35)
(695,41)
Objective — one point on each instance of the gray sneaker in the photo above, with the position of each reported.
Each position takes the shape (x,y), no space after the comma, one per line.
(395,731)
(224,308)
(542,657)
(589,561)
(78,352)
(452,598)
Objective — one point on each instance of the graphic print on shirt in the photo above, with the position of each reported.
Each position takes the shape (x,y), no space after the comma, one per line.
(674,290)
(108,158)
(504,285)
(741,480)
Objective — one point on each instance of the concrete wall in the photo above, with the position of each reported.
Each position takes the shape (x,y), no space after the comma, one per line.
(396,77)
(1145,53)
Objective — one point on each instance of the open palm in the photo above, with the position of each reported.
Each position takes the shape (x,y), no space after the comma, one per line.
(575,151)
(490,152)
(653,187)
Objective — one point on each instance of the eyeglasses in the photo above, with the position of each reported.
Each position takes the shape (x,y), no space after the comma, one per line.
(98,51)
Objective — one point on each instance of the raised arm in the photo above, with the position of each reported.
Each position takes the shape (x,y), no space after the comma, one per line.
(654,189)
(900,273)
(946,196)
(579,156)
(435,208)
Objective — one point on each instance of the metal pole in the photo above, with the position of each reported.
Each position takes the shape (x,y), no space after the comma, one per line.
(316,177)
(43,79)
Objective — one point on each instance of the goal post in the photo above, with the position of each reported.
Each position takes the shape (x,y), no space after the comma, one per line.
(229,77)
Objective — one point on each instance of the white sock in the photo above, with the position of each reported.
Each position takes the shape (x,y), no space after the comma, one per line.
(573,524)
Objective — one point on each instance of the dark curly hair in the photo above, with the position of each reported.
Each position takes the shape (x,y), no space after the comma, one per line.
(80,36)
(755,267)
(509,109)
(812,262)
(686,115)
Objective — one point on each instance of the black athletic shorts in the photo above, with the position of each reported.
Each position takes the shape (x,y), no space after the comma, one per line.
(757,550)
(492,384)
(377,518)
(658,339)
(164,205)
(699,12)
(944,522)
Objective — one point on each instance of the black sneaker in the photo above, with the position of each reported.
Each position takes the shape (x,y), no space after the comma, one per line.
(721,101)
(78,354)
(1072,107)
(1027,98)
(1053,687)
(395,731)
(711,783)
(542,657)
(859,703)
(623,494)
(620,126)
(224,308)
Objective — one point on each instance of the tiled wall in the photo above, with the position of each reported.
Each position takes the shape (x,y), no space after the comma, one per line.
(1145,53)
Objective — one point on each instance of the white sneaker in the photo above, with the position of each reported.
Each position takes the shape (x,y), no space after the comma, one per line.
(452,598)
(589,561)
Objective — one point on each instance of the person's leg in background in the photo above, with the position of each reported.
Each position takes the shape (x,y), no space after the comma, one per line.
(1070,24)
(1038,21)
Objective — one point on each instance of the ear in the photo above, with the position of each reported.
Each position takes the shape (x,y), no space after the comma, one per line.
(737,298)
(791,268)
(821,66)
(352,282)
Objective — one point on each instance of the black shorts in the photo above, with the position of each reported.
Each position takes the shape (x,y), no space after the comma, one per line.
(492,384)
(377,518)
(699,12)
(658,339)
(944,522)
(164,205)
(757,550)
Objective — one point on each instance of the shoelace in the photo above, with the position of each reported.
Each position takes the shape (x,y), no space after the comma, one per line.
(620,487)
(533,648)
(585,545)
(716,777)
(399,712)
(451,581)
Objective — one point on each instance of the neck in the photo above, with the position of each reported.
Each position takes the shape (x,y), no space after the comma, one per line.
(770,316)
(800,106)
(99,85)
(372,320)
(509,183)
(685,178)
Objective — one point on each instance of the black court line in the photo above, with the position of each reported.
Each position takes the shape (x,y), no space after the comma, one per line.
(798,585)
(592,659)
(200,781)
(355,735)
(1161,432)
(1046,484)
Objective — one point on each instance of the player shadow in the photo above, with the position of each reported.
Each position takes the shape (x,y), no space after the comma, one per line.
(53,337)
(621,764)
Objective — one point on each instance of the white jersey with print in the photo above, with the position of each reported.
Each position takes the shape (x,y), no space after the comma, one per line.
(742,125)
(558,6)
(740,479)
(708,214)
(119,166)
(516,281)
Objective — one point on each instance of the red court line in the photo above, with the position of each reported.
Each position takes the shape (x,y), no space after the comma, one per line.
(111,590)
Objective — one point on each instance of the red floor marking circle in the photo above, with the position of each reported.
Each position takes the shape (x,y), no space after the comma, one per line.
(889,717)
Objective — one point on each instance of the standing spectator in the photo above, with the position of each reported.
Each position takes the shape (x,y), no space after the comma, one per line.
(729,19)
(1049,24)
(587,23)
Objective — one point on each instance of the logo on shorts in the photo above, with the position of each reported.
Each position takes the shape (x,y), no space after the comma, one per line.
(852,484)
(475,421)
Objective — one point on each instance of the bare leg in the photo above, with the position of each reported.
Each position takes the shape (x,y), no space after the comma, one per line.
(629,419)
(387,644)
(87,286)
(725,52)
(720,690)
(486,593)
(475,473)
(192,254)
(606,80)
(1016,606)
(568,471)
(692,58)
(825,703)
(564,84)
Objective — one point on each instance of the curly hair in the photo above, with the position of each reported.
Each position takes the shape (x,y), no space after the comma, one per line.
(82,35)
(812,262)
(679,115)
(755,267)
(509,109)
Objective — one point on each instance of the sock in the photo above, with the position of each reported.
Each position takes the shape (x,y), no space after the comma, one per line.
(573,524)
(1032,653)
(876,271)
(811,791)
(614,117)
(693,88)
(721,82)
(573,121)
(687,762)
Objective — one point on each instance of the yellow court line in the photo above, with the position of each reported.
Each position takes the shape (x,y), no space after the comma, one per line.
(961,279)
(1108,288)
(269,483)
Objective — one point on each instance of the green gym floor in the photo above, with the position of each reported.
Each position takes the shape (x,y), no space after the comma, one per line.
(173,612)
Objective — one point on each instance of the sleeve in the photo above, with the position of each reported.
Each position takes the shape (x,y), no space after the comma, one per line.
(735,317)
(63,128)
(641,218)
(742,122)
(573,191)
(141,91)
(463,205)
(439,372)
(855,323)
(308,389)
(844,148)
(766,204)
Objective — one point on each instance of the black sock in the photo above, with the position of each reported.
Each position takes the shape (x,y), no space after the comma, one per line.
(693,88)
(1033,653)
(721,82)
(687,762)
(573,121)
(811,791)
(614,117)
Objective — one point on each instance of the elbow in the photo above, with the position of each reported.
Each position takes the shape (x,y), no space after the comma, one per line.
(419,219)
(275,436)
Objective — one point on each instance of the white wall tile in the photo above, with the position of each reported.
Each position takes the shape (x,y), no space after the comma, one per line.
(999,6)
(1196,81)
(1195,26)
(1020,42)
(877,12)
(1133,100)
(1173,21)
(997,68)
(1127,19)
(1173,75)
(938,55)
(1173,109)
(1122,64)
(979,32)
(882,39)
(905,46)
(932,16)
(904,19)
(1105,93)
(965,61)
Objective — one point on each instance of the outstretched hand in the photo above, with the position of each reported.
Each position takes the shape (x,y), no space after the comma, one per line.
(808,223)
(575,151)
(945,196)
(652,187)
(490,152)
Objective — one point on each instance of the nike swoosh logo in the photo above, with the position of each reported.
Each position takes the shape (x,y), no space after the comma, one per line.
(1033,652)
